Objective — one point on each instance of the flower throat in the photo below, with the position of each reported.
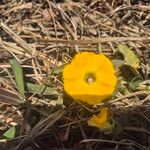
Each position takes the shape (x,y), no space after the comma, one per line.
(90,78)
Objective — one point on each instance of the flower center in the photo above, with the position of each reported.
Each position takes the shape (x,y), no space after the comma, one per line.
(90,78)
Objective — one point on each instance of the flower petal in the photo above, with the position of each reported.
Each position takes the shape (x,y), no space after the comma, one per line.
(100,120)
(75,81)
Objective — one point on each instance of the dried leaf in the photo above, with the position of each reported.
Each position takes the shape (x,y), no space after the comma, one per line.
(8,97)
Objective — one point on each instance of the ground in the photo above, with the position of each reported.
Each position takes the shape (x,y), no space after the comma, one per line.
(38,38)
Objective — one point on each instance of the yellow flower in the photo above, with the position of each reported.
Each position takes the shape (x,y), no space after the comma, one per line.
(100,120)
(89,78)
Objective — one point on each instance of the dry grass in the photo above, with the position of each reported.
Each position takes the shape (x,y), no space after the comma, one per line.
(43,35)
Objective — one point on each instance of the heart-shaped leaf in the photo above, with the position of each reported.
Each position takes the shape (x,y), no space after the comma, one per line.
(129,56)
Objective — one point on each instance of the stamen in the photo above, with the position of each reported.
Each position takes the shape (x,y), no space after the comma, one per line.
(90,78)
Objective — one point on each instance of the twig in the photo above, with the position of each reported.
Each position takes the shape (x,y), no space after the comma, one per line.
(20,41)
(97,40)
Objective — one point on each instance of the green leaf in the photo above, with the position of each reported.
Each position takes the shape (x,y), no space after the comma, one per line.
(145,85)
(118,63)
(58,69)
(10,133)
(41,89)
(130,58)
(128,73)
(134,84)
(122,88)
(18,75)
(131,76)
(121,121)
(108,126)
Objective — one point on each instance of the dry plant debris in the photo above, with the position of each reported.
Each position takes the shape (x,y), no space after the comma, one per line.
(43,36)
